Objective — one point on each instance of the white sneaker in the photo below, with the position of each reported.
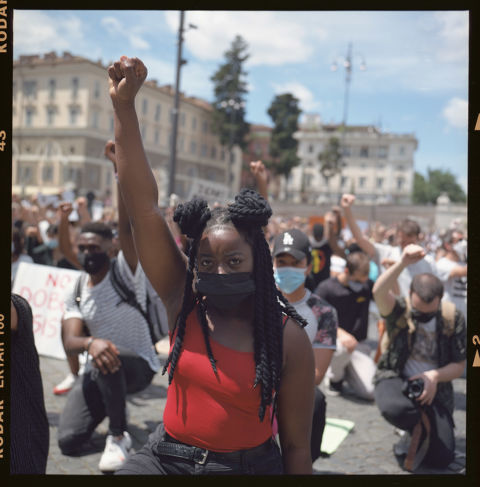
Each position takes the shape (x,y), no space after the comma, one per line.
(116,453)
(66,384)
(401,447)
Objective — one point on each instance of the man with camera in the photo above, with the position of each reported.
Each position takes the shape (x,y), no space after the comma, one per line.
(426,351)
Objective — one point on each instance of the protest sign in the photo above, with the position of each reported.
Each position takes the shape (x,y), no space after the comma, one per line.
(44,288)
(209,191)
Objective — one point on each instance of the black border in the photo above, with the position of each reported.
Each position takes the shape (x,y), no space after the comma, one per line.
(472,476)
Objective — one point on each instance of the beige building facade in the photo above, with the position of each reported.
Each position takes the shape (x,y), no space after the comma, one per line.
(378,167)
(63,116)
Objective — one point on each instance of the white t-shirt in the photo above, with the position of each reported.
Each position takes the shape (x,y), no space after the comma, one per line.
(455,288)
(108,317)
(425,265)
(424,355)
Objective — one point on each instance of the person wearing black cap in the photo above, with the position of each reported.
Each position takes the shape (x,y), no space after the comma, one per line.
(292,264)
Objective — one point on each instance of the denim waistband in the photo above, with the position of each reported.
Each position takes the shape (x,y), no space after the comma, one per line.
(174,448)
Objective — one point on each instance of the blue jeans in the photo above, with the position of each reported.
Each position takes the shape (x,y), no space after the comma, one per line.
(147,461)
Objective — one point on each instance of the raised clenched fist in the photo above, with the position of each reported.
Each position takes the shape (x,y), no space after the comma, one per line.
(126,77)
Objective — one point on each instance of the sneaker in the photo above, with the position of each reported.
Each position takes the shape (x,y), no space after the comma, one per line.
(66,384)
(334,388)
(116,453)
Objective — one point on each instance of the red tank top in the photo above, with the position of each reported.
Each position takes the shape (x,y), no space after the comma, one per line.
(216,412)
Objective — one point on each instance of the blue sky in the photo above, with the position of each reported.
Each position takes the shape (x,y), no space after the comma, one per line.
(416,79)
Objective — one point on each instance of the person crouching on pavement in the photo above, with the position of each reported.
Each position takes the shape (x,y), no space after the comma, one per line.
(426,351)
(292,263)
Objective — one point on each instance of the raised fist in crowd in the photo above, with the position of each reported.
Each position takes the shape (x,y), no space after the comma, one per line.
(126,77)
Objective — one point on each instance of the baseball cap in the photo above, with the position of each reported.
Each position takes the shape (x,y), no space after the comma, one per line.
(293,242)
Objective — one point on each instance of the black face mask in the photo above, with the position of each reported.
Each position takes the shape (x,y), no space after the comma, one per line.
(92,263)
(422,317)
(225,291)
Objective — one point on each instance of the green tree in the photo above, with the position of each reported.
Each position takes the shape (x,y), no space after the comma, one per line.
(427,190)
(331,158)
(230,88)
(284,112)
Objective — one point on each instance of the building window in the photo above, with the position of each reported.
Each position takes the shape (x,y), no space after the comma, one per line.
(361,182)
(28,117)
(74,115)
(30,89)
(181,144)
(145,106)
(182,119)
(193,147)
(400,183)
(400,168)
(96,91)
(72,149)
(24,174)
(205,127)
(401,150)
(47,173)
(157,137)
(379,183)
(194,123)
(50,116)
(143,131)
(158,110)
(213,153)
(75,85)
(51,88)
(346,151)
(310,148)
(204,150)
(383,151)
(70,174)
(363,151)
(380,166)
(343,181)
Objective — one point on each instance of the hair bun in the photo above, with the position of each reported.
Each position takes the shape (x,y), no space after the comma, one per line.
(250,209)
(192,217)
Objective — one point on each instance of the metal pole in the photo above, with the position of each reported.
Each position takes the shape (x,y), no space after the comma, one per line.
(173,148)
(348,75)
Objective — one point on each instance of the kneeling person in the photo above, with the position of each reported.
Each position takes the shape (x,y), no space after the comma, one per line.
(426,351)
(292,265)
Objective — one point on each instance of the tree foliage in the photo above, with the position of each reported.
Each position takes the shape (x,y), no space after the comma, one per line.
(427,190)
(230,89)
(284,112)
(331,158)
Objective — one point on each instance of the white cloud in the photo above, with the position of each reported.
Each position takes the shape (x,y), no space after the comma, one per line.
(456,113)
(273,38)
(116,28)
(454,30)
(35,32)
(304,95)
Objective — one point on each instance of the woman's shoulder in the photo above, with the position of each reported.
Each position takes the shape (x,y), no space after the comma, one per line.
(294,335)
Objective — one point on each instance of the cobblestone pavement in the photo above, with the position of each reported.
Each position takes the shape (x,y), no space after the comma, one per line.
(367,450)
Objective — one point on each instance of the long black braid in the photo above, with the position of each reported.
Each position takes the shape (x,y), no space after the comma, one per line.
(248,214)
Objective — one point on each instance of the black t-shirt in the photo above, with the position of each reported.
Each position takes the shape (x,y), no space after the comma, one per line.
(321,254)
(352,307)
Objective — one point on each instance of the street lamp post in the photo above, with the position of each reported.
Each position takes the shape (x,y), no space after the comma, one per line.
(180,63)
(347,62)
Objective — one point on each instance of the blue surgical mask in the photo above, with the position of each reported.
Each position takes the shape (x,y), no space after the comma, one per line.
(355,286)
(289,279)
(52,244)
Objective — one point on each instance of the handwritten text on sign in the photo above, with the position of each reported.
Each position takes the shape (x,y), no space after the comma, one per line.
(44,288)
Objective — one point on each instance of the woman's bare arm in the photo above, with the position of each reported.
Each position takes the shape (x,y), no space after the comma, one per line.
(161,259)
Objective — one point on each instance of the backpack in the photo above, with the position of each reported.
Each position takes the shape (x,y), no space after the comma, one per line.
(448,316)
(154,315)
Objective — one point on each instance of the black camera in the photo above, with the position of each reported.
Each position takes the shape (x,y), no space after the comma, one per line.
(413,388)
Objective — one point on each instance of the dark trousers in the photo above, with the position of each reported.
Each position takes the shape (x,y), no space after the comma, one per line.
(404,413)
(318,423)
(147,461)
(95,396)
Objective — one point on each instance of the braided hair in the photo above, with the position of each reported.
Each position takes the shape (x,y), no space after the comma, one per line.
(248,214)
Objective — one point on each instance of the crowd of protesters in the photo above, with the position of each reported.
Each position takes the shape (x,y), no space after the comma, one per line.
(282,302)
